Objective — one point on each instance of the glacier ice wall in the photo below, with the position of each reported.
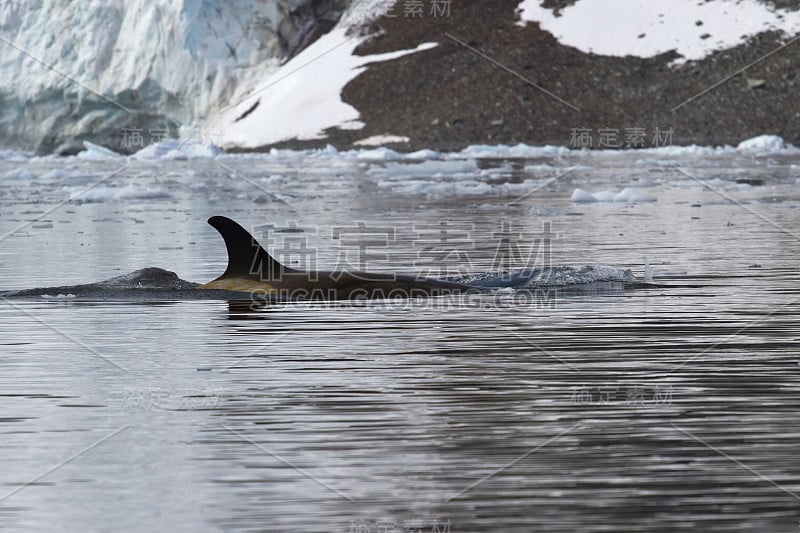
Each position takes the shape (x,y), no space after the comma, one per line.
(99,69)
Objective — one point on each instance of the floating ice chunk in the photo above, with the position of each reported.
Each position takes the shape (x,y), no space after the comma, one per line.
(684,151)
(438,189)
(426,168)
(177,149)
(381,154)
(19,174)
(541,169)
(95,151)
(56,174)
(424,154)
(57,296)
(762,143)
(15,155)
(139,191)
(581,196)
(328,150)
(628,194)
(379,140)
(128,192)
(520,150)
(632,195)
(606,196)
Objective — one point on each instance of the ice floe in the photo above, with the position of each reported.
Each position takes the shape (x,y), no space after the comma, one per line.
(628,195)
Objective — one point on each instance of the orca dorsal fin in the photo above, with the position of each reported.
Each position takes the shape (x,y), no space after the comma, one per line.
(246,257)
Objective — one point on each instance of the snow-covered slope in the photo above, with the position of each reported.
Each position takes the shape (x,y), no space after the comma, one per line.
(646,28)
(91,68)
(302,98)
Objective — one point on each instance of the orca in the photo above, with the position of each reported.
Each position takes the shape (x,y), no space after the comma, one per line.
(252,269)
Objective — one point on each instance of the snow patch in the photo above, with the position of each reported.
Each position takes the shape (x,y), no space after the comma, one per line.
(642,28)
(296,102)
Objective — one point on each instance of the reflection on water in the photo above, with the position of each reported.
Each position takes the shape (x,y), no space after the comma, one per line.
(669,407)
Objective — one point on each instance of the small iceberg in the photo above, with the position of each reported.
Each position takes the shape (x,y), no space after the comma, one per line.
(96,152)
(380,140)
(179,150)
(379,154)
(628,195)
(762,143)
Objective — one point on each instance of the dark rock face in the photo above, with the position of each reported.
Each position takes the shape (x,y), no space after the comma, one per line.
(449,97)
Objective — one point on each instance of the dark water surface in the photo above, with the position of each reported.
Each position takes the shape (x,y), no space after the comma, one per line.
(675,407)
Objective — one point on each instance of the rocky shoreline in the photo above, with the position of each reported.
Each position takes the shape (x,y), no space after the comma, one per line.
(458,94)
